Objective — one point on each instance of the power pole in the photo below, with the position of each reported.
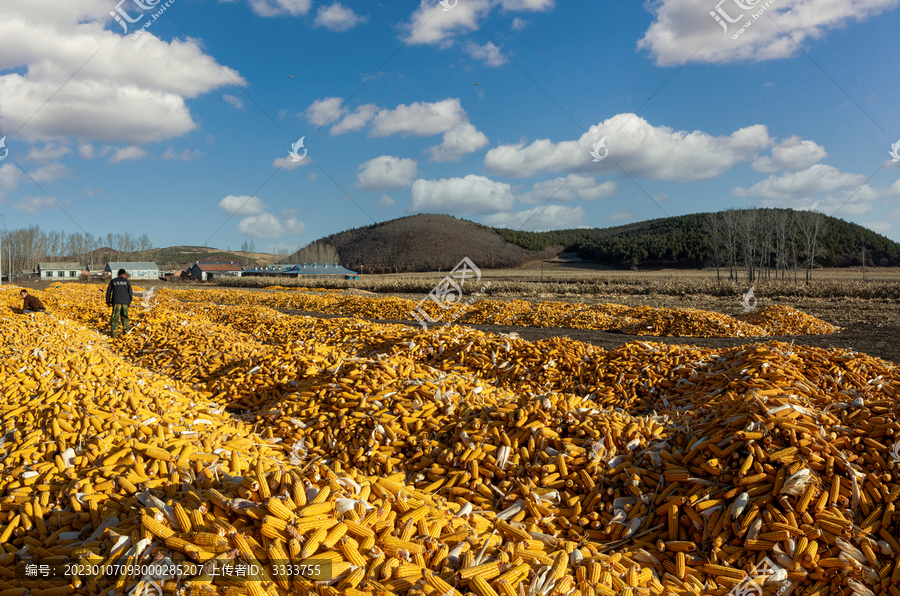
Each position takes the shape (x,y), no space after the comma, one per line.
(864,260)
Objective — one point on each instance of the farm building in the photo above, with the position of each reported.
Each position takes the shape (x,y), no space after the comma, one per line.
(209,271)
(271,271)
(135,270)
(325,269)
(60,270)
(300,271)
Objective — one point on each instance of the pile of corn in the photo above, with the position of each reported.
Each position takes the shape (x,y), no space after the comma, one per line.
(685,322)
(447,462)
(643,320)
(784,320)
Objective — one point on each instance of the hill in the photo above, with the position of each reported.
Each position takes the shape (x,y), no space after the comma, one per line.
(174,257)
(686,240)
(423,243)
(767,238)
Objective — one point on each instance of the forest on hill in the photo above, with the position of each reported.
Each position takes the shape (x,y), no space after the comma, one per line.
(759,239)
(420,243)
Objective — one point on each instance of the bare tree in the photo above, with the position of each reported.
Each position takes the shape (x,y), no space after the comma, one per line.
(318,252)
(765,228)
(144,246)
(730,223)
(714,228)
(782,223)
(812,227)
(747,223)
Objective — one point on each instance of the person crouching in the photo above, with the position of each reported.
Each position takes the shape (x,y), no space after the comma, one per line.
(31,303)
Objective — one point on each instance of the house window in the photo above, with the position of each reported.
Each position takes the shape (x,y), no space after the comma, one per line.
(71,274)
(60,273)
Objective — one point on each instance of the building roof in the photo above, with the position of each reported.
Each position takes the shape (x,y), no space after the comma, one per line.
(322,269)
(60,266)
(135,266)
(218,267)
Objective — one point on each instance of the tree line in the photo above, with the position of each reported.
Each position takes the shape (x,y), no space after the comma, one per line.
(24,248)
(769,243)
(765,241)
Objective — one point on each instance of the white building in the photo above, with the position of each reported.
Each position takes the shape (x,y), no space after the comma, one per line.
(135,270)
(52,271)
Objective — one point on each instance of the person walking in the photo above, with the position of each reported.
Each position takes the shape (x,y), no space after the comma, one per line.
(118,296)
(31,303)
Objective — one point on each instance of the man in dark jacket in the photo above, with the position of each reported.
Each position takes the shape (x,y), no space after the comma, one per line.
(118,296)
(31,303)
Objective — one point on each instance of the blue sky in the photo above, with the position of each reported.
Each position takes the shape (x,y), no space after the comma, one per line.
(486,109)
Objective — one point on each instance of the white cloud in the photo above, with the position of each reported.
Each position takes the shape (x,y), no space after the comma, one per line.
(457,142)
(337,17)
(234,100)
(431,25)
(266,225)
(130,91)
(642,150)
(323,110)
(386,173)
(419,119)
(49,172)
(518,24)
(276,8)
(185,155)
(127,153)
(10,176)
(808,183)
(355,120)
(488,53)
(462,196)
(882,227)
(386,201)
(527,5)
(275,249)
(820,188)
(38,204)
(620,216)
(567,189)
(288,163)
(86,151)
(682,26)
(48,152)
(244,204)
(549,217)
(791,154)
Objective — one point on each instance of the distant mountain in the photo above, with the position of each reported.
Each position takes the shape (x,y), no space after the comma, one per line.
(429,242)
(423,243)
(181,256)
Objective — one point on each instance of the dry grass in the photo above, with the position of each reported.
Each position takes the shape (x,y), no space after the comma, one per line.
(881,284)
